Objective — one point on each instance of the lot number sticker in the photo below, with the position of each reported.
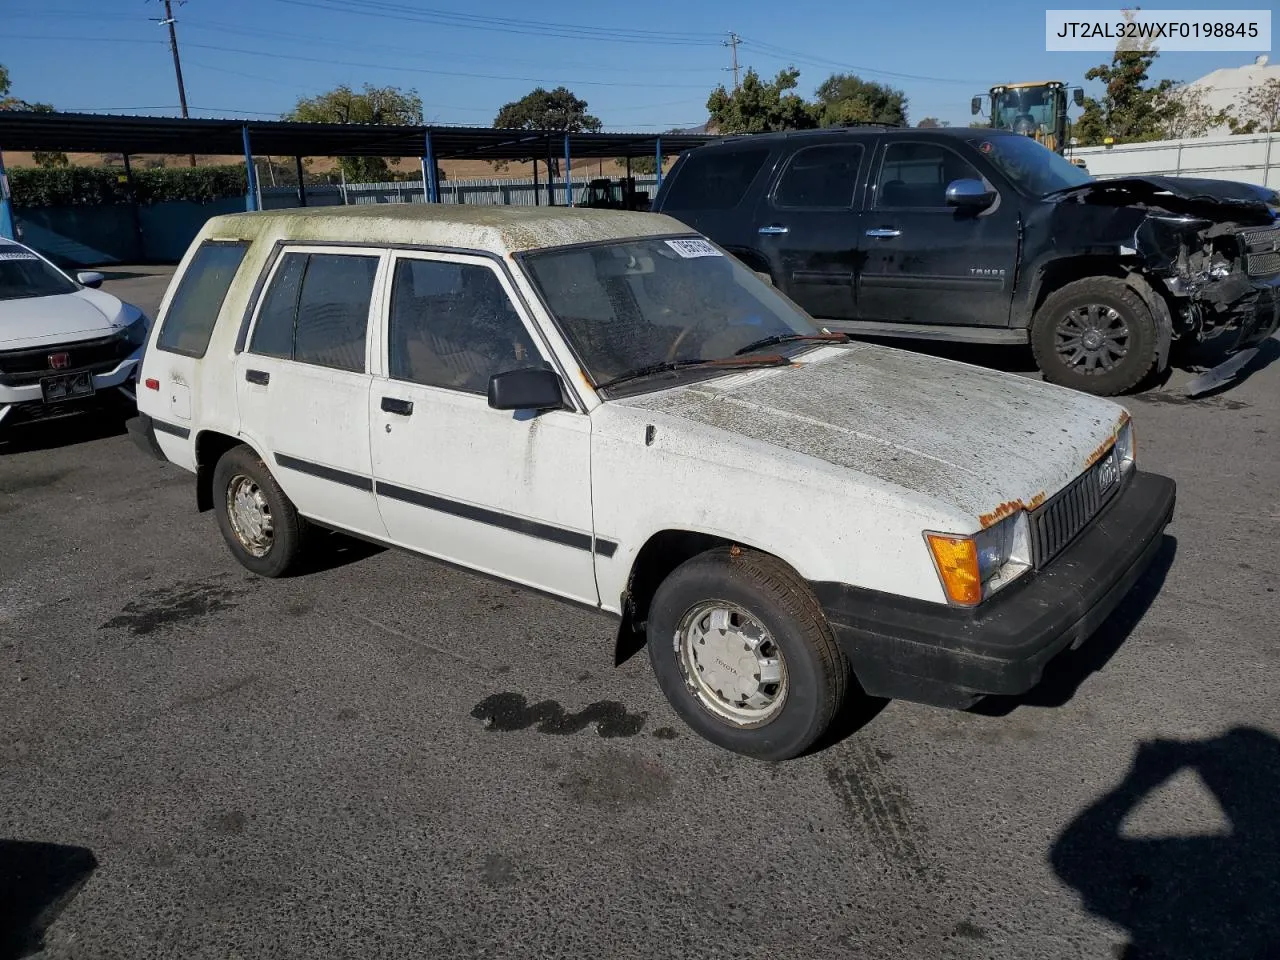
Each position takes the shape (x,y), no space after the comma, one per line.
(695,247)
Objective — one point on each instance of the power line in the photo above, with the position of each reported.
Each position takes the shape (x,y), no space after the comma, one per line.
(416,51)
(782,53)
(568,31)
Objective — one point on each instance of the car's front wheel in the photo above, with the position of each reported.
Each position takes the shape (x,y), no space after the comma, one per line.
(743,653)
(1095,335)
(256,519)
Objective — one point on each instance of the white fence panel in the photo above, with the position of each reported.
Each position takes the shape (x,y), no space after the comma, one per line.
(1251,158)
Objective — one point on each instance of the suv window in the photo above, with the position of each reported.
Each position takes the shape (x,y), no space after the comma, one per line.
(452,325)
(714,179)
(823,176)
(196,303)
(317,310)
(917,174)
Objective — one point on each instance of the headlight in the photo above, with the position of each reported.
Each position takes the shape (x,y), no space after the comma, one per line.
(974,567)
(1126,445)
(136,332)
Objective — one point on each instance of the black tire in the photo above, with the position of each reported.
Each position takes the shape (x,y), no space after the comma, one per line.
(817,674)
(289,530)
(1108,294)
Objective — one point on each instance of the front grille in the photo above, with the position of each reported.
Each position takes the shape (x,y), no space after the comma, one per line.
(1056,522)
(1261,240)
(1264,264)
(19,367)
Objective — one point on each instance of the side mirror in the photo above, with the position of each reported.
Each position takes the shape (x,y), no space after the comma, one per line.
(90,278)
(1077,96)
(969,194)
(534,389)
(975,105)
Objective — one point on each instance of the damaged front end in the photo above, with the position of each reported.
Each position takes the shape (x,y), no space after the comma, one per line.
(1212,248)
(1222,281)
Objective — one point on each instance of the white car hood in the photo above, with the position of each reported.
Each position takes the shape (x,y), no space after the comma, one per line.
(46,321)
(977,440)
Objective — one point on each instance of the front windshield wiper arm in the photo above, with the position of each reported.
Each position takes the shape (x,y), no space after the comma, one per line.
(788,337)
(667,366)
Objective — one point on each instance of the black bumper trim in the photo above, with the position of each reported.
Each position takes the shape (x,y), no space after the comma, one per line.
(142,429)
(914,650)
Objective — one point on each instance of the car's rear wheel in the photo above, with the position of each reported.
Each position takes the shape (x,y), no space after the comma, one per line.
(256,519)
(1095,335)
(743,653)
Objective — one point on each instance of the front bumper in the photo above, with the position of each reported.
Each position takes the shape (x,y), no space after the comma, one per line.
(910,649)
(1263,319)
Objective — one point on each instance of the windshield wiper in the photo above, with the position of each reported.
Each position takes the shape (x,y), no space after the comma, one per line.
(653,369)
(788,337)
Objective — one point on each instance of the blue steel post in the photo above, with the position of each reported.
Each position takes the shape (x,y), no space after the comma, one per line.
(6,206)
(658,165)
(250,172)
(568,173)
(433,182)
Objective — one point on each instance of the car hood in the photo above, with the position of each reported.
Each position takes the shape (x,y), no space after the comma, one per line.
(45,321)
(1180,194)
(977,440)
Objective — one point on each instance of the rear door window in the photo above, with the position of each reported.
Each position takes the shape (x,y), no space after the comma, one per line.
(193,311)
(714,179)
(316,310)
(824,177)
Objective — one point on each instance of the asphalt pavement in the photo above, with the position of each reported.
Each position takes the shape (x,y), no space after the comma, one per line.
(386,757)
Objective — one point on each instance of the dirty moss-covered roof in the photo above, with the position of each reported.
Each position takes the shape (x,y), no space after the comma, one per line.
(499,230)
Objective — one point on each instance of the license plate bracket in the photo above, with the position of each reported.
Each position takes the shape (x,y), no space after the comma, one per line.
(68,386)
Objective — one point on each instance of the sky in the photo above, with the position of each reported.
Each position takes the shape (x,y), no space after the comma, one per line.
(640,66)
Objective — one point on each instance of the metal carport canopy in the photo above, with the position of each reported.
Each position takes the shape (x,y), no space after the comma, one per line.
(110,133)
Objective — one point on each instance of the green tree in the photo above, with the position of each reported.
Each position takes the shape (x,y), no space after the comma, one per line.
(376,105)
(1260,109)
(932,122)
(542,109)
(759,107)
(1185,112)
(1130,111)
(845,99)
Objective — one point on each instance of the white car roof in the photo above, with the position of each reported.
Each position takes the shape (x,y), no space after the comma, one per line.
(500,230)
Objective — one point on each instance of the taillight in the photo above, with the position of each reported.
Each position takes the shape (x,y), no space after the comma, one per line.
(151,383)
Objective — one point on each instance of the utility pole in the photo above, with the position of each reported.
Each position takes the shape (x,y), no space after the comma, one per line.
(732,44)
(169,22)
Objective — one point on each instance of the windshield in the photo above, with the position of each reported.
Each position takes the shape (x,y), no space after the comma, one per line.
(1031,166)
(626,306)
(23,274)
(1027,111)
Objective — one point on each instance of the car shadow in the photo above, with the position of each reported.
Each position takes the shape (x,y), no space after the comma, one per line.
(332,550)
(63,431)
(37,881)
(1186,897)
(1066,673)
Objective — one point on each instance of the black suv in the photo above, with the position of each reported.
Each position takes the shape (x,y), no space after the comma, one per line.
(986,236)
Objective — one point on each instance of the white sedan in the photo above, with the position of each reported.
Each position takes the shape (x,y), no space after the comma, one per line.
(64,344)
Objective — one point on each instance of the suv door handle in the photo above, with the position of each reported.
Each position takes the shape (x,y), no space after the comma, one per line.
(260,377)
(395,405)
(884,232)
(774,228)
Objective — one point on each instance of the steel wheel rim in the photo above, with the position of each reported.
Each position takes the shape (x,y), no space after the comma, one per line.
(1092,339)
(250,515)
(731,663)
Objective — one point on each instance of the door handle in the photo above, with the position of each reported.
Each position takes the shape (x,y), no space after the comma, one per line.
(395,405)
(773,228)
(884,232)
(260,377)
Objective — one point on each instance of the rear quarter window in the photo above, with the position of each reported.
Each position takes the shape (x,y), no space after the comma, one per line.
(714,180)
(202,288)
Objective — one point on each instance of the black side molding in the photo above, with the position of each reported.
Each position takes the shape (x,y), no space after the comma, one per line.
(260,377)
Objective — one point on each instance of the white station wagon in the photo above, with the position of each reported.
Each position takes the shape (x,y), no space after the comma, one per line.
(606,407)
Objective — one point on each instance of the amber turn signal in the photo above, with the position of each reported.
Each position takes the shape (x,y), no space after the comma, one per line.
(957,561)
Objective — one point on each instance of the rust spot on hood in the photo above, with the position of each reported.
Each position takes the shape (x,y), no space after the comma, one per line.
(1038,499)
(1006,509)
(1099,452)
